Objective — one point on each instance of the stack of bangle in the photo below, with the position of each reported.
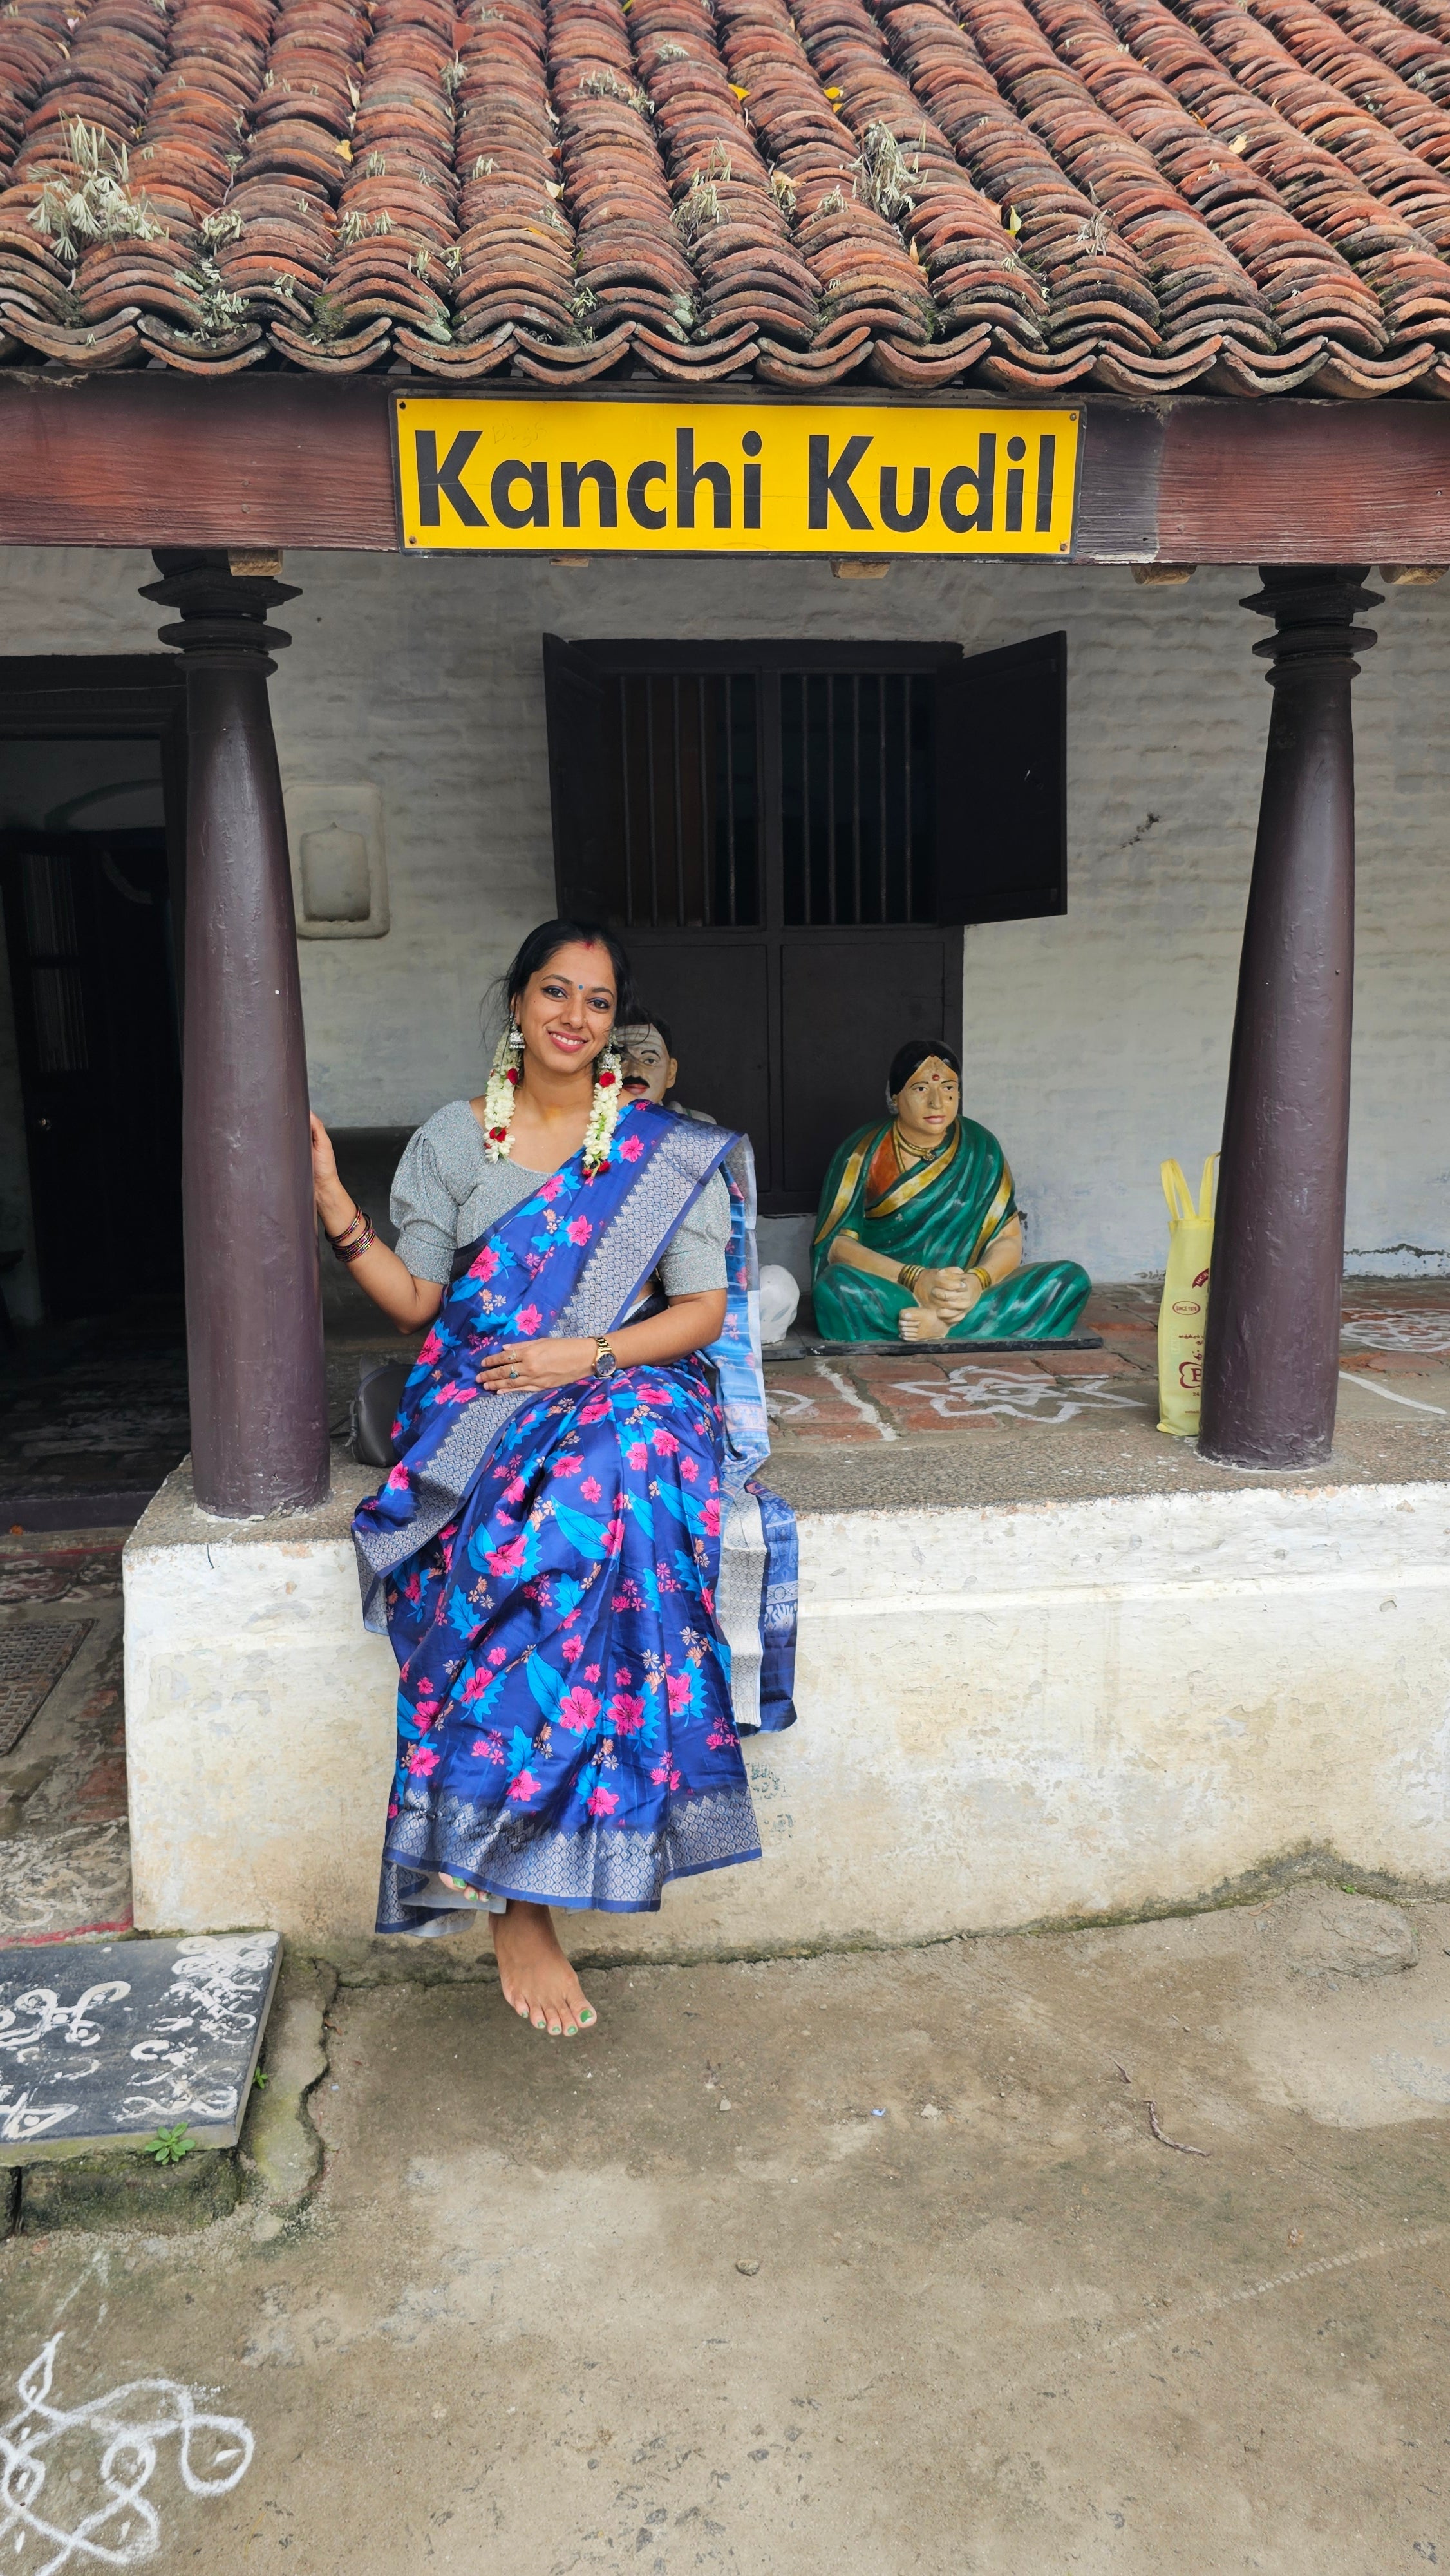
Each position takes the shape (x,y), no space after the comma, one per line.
(908,1276)
(985,1277)
(356,1238)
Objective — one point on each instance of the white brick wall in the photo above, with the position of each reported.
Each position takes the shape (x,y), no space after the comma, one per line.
(1094,1045)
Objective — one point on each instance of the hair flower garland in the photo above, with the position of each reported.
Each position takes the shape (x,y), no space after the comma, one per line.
(498,1105)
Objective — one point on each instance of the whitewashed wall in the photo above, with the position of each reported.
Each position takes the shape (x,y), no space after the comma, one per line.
(1095,1044)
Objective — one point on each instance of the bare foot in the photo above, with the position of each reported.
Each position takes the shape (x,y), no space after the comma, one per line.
(534,1973)
(921,1324)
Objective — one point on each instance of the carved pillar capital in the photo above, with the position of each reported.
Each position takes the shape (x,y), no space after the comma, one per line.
(223,614)
(1313,607)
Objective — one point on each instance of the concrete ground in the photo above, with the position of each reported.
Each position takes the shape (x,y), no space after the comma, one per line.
(859,2262)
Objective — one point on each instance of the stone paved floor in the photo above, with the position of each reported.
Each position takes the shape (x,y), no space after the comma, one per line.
(938,1425)
(857,2266)
(64,1856)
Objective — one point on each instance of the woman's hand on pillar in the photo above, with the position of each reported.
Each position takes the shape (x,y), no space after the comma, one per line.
(409,1303)
(334,1203)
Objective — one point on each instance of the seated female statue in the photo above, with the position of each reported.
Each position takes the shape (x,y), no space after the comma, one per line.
(919,1234)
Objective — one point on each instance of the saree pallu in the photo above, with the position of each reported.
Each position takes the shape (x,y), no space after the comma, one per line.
(548,1565)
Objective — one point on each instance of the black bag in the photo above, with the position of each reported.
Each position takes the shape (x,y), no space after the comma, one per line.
(375,1410)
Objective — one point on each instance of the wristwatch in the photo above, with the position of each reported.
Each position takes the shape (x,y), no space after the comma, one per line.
(606,1358)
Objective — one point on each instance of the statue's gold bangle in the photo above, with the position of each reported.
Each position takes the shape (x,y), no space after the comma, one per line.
(908,1275)
(985,1277)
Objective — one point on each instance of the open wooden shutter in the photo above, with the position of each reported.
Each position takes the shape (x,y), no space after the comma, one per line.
(575,707)
(1001,809)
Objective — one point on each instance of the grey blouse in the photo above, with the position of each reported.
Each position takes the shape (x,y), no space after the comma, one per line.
(446,1192)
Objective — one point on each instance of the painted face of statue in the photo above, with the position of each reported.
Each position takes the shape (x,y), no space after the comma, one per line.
(927,1105)
(649,1067)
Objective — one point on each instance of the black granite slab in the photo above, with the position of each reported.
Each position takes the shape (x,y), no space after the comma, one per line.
(102,2043)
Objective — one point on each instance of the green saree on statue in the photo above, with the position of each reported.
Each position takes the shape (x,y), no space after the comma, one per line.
(940,1213)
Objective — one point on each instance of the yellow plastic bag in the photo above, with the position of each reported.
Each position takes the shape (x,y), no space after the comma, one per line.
(1184,1311)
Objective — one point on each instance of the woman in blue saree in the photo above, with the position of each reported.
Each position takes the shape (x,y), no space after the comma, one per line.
(575,1442)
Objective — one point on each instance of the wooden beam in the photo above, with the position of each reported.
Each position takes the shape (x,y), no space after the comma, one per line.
(1305,482)
(261,461)
(161,460)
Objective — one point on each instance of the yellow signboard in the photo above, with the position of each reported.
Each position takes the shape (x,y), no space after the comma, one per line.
(493,475)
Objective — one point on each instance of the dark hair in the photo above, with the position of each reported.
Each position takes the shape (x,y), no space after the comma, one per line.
(549,938)
(640,1018)
(910,1057)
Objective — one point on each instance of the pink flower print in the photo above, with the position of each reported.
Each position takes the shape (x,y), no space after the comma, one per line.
(515,1492)
(591,1491)
(474,1687)
(525,1786)
(392,1809)
(486,1264)
(398,1480)
(626,1713)
(578,1229)
(421,1761)
(665,1777)
(614,1537)
(596,1411)
(507,1559)
(712,1518)
(567,1466)
(602,1801)
(623,1677)
(689,1469)
(591,1672)
(578,1710)
(573,1648)
(529,1319)
(665,1442)
(679,1690)
(637,1455)
(631,1147)
(551,1188)
(498,1654)
(489,1747)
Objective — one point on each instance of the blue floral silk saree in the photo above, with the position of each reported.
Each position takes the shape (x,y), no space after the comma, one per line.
(587,1591)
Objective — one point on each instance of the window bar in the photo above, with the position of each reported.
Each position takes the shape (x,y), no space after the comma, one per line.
(730,779)
(908,810)
(623,687)
(831,775)
(649,766)
(707,842)
(856,795)
(808,835)
(883,900)
(679,804)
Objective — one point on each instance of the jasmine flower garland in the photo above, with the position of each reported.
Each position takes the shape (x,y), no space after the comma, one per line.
(498,1106)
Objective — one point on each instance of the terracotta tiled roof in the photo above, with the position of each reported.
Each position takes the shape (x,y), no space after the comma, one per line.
(1245,196)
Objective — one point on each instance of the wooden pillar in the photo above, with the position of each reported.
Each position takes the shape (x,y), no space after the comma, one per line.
(1271,1357)
(253,1295)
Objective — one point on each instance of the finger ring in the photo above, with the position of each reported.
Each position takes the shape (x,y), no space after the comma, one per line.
(513,1372)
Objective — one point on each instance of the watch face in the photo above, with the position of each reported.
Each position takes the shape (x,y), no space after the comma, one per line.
(605,1363)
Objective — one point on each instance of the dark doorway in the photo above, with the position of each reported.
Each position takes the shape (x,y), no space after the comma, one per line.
(89,931)
(789,837)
